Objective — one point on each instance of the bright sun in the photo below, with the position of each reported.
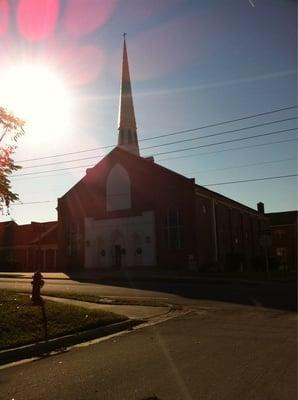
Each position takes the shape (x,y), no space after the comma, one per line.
(36,94)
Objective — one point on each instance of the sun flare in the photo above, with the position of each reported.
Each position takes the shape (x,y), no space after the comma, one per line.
(36,94)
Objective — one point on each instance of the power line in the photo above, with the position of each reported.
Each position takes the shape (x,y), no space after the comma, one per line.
(243,166)
(164,144)
(226,141)
(39,174)
(165,135)
(251,180)
(52,170)
(66,154)
(63,162)
(220,133)
(214,169)
(32,202)
(167,152)
(207,185)
(221,123)
(230,149)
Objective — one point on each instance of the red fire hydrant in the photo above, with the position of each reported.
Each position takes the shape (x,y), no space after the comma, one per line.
(37,283)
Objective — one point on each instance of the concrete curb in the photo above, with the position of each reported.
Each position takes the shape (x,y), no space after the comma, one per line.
(45,347)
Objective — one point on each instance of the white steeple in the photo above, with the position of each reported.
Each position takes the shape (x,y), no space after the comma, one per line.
(127,138)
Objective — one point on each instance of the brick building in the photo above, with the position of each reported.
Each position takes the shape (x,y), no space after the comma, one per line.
(28,247)
(129,211)
(283,228)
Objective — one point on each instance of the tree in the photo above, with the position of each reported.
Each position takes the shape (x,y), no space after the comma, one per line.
(11,128)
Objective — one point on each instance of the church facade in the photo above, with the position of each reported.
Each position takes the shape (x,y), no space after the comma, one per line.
(128,211)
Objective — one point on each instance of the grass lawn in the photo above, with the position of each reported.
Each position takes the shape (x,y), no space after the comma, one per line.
(21,322)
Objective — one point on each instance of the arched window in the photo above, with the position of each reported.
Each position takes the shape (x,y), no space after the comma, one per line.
(118,189)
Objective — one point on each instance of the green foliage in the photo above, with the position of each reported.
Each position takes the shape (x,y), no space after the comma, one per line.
(11,128)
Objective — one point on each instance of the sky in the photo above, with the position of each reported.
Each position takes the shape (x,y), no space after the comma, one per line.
(192,64)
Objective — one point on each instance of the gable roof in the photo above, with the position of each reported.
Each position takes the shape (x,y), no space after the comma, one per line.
(156,168)
(137,159)
(205,190)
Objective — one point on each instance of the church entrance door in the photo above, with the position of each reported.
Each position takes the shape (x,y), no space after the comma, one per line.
(118,256)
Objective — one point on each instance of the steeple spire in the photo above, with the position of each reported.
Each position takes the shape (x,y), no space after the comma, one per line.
(127,127)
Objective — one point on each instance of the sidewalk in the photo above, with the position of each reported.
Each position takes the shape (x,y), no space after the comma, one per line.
(130,311)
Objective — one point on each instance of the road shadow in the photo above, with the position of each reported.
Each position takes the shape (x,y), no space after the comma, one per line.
(12,275)
(275,295)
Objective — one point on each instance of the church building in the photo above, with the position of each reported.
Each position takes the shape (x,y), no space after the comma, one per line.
(128,211)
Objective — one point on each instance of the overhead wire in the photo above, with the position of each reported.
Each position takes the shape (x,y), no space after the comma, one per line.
(221,123)
(200,171)
(230,149)
(165,144)
(168,134)
(243,165)
(185,149)
(207,185)
(220,133)
(226,141)
(51,170)
(32,202)
(162,153)
(251,180)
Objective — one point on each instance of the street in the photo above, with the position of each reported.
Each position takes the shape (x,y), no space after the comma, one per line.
(228,353)
(231,341)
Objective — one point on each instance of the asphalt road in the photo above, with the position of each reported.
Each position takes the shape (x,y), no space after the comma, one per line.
(225,351)
(238,341)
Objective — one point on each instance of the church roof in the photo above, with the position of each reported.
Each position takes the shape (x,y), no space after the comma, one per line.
(118,154)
